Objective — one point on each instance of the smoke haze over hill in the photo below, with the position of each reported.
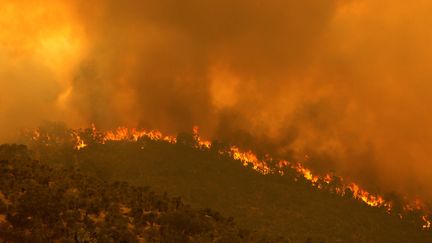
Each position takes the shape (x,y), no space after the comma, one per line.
(345,82)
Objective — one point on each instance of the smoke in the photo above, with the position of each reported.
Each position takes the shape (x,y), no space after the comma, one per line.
(39,47)
(338,85)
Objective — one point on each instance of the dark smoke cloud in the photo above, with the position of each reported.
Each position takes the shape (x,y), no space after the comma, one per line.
(344,82)
(178,65)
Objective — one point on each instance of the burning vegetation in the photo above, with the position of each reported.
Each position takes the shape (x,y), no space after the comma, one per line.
(403,208)
(344,82)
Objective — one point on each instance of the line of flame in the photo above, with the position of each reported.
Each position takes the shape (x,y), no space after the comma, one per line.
(250,158)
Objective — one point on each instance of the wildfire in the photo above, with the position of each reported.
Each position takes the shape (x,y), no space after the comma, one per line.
(366,197)
(248,158)
(307,174)
(125,134)
(427,222)
(80,143)
(200,141)
(36,135)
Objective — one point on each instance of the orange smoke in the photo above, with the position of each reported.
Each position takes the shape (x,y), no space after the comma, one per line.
(41,44)
(345,82)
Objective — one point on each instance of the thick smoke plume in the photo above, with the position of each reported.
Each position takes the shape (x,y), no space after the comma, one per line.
(346,83)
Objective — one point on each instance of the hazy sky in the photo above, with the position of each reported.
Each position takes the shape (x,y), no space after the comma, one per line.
(348,82)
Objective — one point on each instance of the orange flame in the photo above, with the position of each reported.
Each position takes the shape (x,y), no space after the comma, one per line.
(201,143)
(427,222)
(249,158)
(80,143)
(125,134)
(366,197)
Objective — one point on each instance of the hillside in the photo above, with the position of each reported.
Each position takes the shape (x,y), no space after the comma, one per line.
(39,203)
(271,204)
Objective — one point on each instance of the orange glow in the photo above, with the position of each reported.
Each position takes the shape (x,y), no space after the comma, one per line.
(201,142)
(336,69)
(427,221)
(307,174)
(35,135)
(80,143)
(47,32)
(366,197)
(344,79)
(249,158)
(125,134)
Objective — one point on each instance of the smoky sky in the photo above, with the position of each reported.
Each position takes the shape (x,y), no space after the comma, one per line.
(342,86)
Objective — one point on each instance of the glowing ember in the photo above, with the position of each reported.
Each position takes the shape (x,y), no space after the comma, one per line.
(427,224)
(36,135)
(80,143)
